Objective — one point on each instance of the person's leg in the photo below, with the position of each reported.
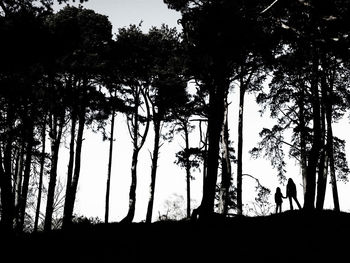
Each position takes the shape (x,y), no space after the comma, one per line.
(296,200)
(290,203)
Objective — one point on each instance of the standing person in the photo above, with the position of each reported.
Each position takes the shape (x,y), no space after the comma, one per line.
(278,199)
(292,193)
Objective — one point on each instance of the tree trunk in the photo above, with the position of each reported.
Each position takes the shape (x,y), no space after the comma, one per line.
(7,200)
(323,162)
(217,95)
(330,147)
(70,168)
(70,200)
(7,196)
(56,135)
(41,174)
(18,181)
(188,172)
(154,169)
(137,146)
(108,185)
(225,164)
(26,176)
(132,192)
(303,136)
(316,141)
(240,148)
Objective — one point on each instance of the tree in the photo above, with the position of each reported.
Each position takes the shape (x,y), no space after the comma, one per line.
(131,57)
(308,40)
(215,41)
(167,91)
(81,36)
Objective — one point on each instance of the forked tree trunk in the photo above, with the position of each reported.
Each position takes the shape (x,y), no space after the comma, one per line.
(136,149)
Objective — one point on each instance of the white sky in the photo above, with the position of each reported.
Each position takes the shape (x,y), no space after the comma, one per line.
(170,178)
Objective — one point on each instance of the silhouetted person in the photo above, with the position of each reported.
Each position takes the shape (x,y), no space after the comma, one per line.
(292,193)
(278,199)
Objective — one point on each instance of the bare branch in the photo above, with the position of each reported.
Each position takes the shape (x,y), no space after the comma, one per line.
(267,8)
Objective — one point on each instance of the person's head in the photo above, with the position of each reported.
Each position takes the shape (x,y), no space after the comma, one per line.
(290,181)
(278,190)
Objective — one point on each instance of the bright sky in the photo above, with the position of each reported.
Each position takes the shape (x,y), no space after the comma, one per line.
(170,178)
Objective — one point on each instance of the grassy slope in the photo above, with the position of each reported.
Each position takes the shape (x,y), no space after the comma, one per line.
(286,237)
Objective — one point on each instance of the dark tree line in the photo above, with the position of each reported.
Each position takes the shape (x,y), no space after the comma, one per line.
(66,71)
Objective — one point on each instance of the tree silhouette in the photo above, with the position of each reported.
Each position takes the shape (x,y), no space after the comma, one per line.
(215,41)
(167,91)
(130,51)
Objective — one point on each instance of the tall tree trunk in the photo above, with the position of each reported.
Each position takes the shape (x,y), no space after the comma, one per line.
(41,174)
(188,171)
(7,195)
(225,164)
(26,175)
(217,95)
(70,168)
(323,162)
(240,148)
(136,149)
(132,192)
(70,200)
(205,150)
(108,185)
(55,136)
(18,181)
(154,168)
(7,198)
(330,147)
(303,136)
(316,141)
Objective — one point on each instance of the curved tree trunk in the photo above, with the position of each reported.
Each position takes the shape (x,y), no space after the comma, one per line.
(136,149)
(153,170)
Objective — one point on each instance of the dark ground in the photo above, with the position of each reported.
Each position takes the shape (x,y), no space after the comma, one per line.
(287,237)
